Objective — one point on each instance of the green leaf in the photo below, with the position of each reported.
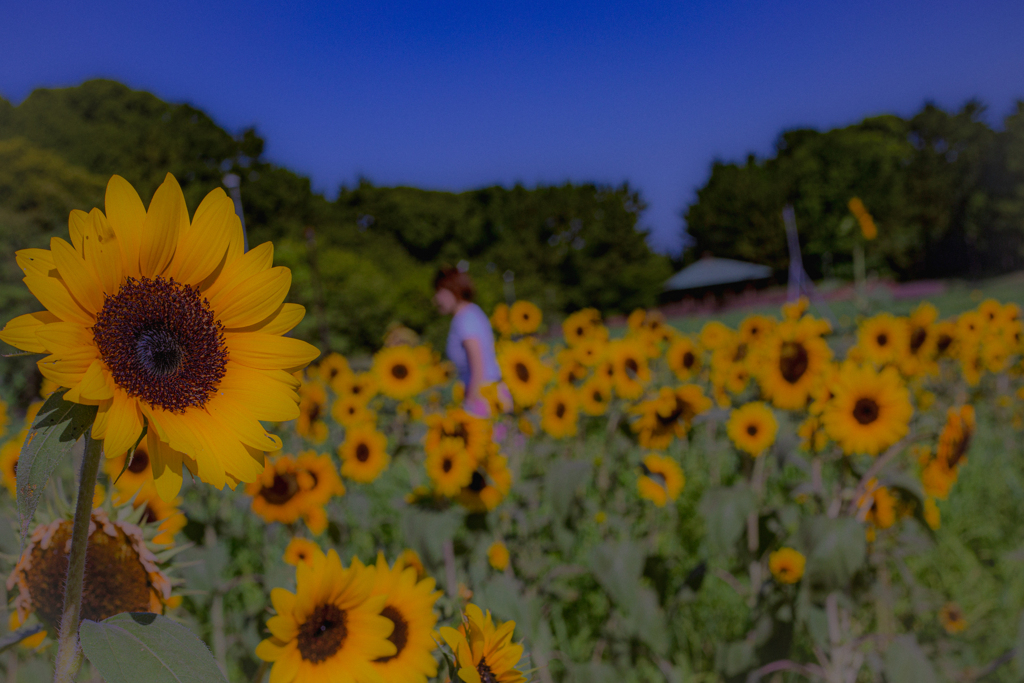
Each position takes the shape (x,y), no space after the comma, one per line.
(725,512)
(564,478)
(14,637)
(1019,648)
(838,550)
(58,426)
(905,662)
(147,647)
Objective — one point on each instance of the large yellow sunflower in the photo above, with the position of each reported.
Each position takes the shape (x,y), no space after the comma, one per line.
(399,372)
(523,372)
(331,628)
(870,411)
(484,650)
(155,318)
(560,412)
(410,606)
(752,427)
(364,454)
(790,360)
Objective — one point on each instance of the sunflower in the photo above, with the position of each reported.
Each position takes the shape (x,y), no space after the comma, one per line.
(683,358)
(351,411)
(489,484)
(500,320)
(594,396)
(165,515)
(589,352)
(361,387)
(484,651)
(410,606)
(752,427)
(952,618)
(9,454)
(580,326)
(159,320)
(669,415)
(332,368)
(399,372)
(450,467)
(291,488)
(124,573)
(570,370)
(921,341)
(331,628)
(932,515)
(756,328)
(662,480)
(789,361)
(523,372)
(411,558)
(955,439)
(4,417)
(363,454)
(560,412)
(714,334)
(312,411)
(472,433)
(635,320)
(787,565)
(877,505)
(870,412)
(883,339)
(631,373)
(497,556)
(300,550)
(524,317)
(945,338)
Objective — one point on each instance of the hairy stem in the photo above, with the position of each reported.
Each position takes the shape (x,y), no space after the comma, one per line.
(69,654)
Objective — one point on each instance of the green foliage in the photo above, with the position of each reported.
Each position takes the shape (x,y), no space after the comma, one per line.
(944,189)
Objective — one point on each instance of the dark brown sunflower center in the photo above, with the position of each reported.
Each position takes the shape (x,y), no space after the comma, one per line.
(683,410)
(865,411)
(793,361)
(478,483)
(917,338)
(632,367)
(689,359)
(579,331)
(283,489)
(400,636)
(560,411)
(522,372)
(882,339)
(322,634)
(741,353)
(161,342)
(139,462)
(943,343)
(362,452)
(447,465)
(314,413)
(752,430)
(598,396)
(399,371)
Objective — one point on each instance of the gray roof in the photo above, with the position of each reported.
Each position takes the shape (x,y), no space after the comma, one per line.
(716,271)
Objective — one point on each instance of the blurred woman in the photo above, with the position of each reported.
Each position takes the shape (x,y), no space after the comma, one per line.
(470,340)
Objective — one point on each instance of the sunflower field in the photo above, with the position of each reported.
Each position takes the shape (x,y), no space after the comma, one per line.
(787,499)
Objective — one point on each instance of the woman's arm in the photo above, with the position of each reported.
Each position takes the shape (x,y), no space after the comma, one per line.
(476,368)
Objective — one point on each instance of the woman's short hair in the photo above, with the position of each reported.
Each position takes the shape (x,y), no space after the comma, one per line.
(455,281)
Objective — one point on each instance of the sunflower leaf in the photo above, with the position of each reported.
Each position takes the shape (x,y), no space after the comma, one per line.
(14,637)
(147,647)
(58,426)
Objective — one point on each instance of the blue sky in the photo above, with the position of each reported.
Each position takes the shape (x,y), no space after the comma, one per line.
(461,95)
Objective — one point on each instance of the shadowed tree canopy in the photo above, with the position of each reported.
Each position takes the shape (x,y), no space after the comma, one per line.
(944,189)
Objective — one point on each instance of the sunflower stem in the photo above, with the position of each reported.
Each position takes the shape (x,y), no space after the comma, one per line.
(69,654)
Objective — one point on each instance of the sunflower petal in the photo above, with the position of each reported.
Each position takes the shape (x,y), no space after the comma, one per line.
(269,351)
(270,650)
(102,253)
(286,667)
(235,415)
(281,321)
(127,215)
(166,219)
(20,332)
(93,387)
(65,338)
(204,243)
(167,464)
(52,293)
(77,223)
(254,300)
(249,264)
(124,425)
(35,261)
(265,397)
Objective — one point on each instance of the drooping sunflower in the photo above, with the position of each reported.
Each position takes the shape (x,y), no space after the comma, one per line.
(955,439)
(399,372)
(560,412)
(471,432)
(484,650)
(752,427)
(787,565)
(789,361)
(594,396)
(351,411)
(524,373)
(668,416)
(629,361)
(410,606)
(524,317)
(683,358)
(300,550)
(661,481)
(124,573)
(450,467)
(489,484)
(312,411)
(883,339)
(331,628)
(155,318)
(364,454)
(871,410)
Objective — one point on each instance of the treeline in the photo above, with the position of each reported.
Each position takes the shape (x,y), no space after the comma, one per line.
(945,189)
(360,263)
